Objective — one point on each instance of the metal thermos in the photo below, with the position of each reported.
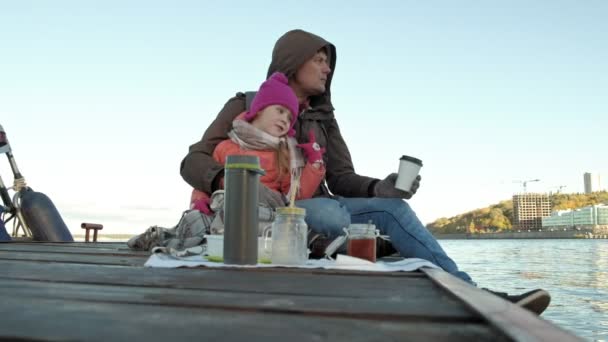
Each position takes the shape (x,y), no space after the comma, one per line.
(241,183)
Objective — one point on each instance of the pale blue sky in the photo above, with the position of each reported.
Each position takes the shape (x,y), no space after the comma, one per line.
(101,99)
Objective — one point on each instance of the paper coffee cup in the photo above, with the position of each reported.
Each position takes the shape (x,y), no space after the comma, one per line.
(408,171)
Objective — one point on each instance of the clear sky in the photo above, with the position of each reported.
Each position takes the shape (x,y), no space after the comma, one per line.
(101,99)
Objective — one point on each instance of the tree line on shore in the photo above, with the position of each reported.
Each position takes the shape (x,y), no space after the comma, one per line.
(499,217)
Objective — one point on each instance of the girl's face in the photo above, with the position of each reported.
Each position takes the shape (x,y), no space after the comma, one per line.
(274,120)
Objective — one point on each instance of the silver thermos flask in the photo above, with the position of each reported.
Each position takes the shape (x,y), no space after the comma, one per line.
(241,184)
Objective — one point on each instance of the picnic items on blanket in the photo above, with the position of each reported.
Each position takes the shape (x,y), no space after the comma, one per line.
(189,232)
(241,184)
(361,241)
(342,262)
(289,237)
(323,247)
(287,245)
(215,247)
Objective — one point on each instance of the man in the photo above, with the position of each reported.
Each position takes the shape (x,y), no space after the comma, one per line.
(309,62)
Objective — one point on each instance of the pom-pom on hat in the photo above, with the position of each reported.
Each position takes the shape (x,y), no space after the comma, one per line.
(275,91)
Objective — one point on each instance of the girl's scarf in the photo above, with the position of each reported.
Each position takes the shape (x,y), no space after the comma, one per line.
(249,137)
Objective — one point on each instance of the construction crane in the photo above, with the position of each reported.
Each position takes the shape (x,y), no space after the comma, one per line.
(525,183)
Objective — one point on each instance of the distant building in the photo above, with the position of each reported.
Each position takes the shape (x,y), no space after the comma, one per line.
(592,182)
(593,217)
(529,209)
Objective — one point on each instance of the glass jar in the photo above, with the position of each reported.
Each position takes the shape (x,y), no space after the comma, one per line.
(289,235)
(362,241)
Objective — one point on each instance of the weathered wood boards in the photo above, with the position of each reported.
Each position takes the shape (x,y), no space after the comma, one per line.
(102,292)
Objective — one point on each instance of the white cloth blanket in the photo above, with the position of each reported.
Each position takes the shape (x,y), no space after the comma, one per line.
(342,262)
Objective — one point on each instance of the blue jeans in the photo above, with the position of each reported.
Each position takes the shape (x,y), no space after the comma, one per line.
(393,217)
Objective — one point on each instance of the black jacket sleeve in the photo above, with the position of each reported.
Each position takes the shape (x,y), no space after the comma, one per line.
(341,177)
(198,168)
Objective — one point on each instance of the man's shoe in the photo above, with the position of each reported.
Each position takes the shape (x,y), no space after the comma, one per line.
(536,300)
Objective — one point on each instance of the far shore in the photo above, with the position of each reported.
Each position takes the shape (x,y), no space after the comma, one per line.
(558,234)
(568,234)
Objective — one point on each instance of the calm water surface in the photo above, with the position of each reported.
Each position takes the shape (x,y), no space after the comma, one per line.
(575,272)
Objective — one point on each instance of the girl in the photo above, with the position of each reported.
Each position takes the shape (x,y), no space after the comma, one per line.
(266,131)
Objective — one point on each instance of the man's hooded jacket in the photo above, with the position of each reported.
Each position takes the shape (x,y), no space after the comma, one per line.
(291,51)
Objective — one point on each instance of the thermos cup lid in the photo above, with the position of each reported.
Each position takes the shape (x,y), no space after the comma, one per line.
(244,162)
(291,210)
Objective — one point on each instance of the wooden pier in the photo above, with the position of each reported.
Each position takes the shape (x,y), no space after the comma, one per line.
(102,292)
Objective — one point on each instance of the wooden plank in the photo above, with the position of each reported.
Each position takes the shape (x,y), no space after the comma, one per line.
(66,244)
(110,250)
(51,319)
(299,281)
(124,260)
(519,324)
(405,307)
(93,250)
(87,278)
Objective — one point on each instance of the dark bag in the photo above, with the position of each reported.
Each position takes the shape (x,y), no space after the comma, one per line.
(3,233)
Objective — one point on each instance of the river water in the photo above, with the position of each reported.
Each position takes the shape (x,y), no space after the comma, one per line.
(574,271)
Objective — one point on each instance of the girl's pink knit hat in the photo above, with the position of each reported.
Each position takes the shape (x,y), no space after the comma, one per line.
(275,91)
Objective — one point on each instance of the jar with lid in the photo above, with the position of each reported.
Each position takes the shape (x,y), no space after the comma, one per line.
(289,237)
(361,241)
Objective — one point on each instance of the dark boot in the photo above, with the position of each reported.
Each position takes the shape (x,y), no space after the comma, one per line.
(385,248)
(536,300)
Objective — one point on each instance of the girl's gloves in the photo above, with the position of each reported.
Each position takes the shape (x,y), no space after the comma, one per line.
(312,150)
(202,205)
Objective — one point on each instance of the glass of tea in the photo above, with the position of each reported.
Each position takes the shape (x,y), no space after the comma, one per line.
(361,241)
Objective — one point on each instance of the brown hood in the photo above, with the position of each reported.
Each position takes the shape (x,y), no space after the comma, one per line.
(292,50)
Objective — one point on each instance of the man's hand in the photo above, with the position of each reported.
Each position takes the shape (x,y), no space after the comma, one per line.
(386,188)
(270,197)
